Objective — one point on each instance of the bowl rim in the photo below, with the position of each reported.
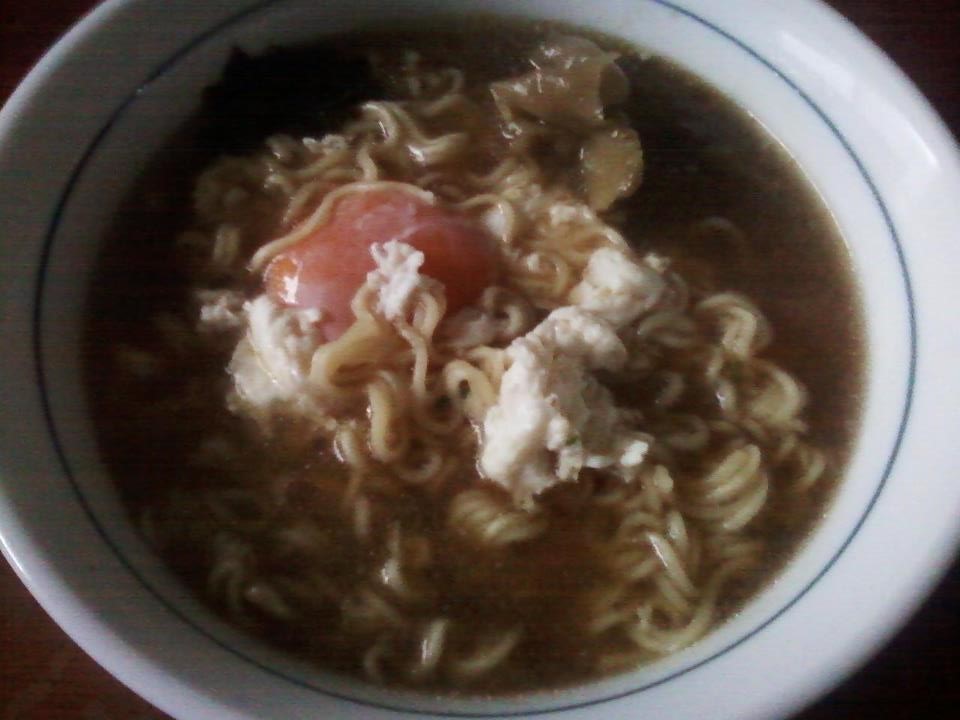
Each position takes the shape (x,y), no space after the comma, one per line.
(158,74)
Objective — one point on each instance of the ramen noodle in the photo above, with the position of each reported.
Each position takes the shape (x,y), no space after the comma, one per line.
(426,397)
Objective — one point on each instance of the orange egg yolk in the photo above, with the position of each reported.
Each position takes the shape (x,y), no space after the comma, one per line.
(325,269)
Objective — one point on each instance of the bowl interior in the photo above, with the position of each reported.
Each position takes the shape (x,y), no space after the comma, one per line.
(773,82)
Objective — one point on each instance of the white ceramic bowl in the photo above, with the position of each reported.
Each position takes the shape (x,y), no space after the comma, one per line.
(81,126)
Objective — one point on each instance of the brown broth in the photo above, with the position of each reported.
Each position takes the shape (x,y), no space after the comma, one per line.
(705,157)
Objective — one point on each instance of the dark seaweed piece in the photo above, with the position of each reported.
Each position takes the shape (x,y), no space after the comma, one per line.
(306,90)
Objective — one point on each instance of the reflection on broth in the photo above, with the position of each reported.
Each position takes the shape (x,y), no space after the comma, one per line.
(472,374)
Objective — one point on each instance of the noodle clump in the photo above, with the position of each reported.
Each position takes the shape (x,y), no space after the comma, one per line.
(590,420)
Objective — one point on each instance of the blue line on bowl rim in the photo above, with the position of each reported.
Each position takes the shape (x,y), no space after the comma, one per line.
(257,7)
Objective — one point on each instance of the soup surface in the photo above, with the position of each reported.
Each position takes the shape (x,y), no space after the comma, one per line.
(474,369)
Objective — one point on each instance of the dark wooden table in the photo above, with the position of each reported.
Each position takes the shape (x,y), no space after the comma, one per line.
(44,676)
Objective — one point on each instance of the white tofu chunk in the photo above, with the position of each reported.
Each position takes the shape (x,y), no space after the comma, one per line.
(617,287)
(552,416)
(272,361)
(397,277)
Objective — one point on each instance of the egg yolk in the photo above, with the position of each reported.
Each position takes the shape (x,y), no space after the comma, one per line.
(325,269)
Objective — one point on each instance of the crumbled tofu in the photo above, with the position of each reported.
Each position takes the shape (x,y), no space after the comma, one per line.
(562,213)
(552,416)
(272,361)
(397,277)
(496,222)
(220,309)
(617,287)
(534,262)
